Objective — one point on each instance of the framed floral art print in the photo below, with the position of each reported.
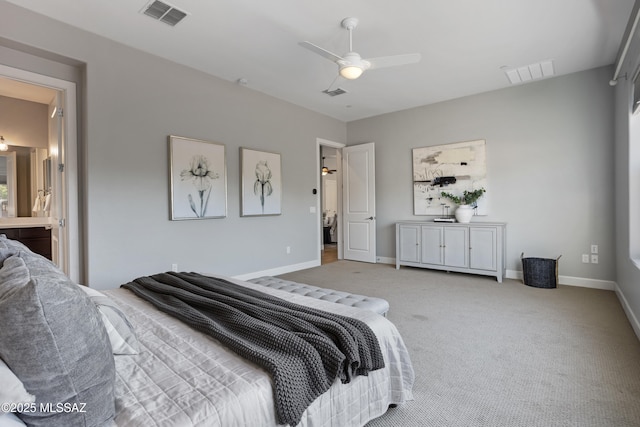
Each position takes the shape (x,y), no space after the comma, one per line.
(261,183)
(198,179)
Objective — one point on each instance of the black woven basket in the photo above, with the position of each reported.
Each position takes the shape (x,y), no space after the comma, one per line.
(540,272)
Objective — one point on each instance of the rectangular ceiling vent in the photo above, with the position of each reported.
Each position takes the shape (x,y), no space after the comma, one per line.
(335,92)
(164,12)
(527,73)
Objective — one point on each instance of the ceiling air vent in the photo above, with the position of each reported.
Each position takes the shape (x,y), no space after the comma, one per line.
(539,70)
(164,12)
(335,92)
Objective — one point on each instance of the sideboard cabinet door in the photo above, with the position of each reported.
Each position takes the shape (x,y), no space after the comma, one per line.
(432,245)
(456,244)
(409,243)
(482,248)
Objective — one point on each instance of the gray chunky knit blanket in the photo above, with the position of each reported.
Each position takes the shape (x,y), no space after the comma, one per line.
(304,349)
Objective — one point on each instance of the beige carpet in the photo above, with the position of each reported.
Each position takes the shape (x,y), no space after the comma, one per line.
(491,354)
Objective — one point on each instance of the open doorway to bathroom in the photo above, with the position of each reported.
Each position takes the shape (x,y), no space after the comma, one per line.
(39,122)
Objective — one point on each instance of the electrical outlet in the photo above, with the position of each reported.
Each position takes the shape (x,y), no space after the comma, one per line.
(594,249)
(288,249)
(174,267)
(585,258)
(594,259)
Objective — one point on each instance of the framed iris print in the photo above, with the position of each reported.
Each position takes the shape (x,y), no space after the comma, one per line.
(261,183)
(198,179)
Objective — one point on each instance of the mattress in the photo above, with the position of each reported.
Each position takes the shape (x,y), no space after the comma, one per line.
(182,377)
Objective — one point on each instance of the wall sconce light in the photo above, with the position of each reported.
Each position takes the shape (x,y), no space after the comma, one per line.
(3,145)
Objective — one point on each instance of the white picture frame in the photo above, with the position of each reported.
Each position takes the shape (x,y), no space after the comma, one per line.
(261,176)
(198,183)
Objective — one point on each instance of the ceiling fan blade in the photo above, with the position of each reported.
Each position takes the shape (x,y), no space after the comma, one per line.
(392,61)
(320,51)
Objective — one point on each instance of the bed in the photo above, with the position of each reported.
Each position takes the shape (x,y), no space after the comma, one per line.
(177,376)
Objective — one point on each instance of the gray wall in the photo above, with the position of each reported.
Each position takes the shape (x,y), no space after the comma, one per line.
(627,186)
(24,123)
(549,166)
(133,101)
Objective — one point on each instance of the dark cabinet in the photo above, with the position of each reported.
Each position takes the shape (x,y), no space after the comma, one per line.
(38,239)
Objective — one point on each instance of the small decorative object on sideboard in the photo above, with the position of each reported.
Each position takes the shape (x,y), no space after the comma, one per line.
(445,215)
(465,203)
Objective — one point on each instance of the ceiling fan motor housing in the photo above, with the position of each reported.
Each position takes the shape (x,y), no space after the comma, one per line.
(349,23)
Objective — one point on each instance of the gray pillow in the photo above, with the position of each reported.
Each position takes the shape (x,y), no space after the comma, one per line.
(53,339)
(13,274)
(6,248)
(13,244)
(10,247)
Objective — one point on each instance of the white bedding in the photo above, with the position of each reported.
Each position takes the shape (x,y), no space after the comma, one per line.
(182,377)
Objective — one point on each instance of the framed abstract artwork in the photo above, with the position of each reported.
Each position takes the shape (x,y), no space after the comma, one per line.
(198,179)
(261,174)
(451,168)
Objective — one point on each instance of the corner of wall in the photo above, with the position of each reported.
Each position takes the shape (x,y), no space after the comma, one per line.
(633,319)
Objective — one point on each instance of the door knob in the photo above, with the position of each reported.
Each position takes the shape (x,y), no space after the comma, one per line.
(370,218)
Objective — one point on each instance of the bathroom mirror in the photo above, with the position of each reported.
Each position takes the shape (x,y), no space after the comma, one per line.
(46,167)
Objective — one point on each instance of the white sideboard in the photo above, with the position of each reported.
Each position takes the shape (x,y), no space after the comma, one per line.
(477,247)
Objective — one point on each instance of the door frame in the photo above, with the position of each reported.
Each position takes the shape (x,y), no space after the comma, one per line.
(338,146)
(67,90)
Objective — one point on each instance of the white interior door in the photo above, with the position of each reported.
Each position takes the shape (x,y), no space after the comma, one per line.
(58,190)
(359,202)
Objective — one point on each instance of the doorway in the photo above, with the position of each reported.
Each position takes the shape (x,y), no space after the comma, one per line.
(329,203)
(330,200)
(61,147)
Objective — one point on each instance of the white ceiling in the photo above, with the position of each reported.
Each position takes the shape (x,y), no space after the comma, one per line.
(28,92)
(466,45)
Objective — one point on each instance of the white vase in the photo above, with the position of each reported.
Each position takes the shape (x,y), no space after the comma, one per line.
(464,213)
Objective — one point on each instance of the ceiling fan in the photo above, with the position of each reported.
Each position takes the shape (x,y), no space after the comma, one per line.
(325,170)
(351,65)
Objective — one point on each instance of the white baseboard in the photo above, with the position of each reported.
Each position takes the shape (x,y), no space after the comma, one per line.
(562,280)
(628,311)
(278,270)
(572,281)
(385,260)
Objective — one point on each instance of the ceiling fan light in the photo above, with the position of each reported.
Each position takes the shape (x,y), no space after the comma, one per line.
(325,170)
(3,145)
(351,72)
